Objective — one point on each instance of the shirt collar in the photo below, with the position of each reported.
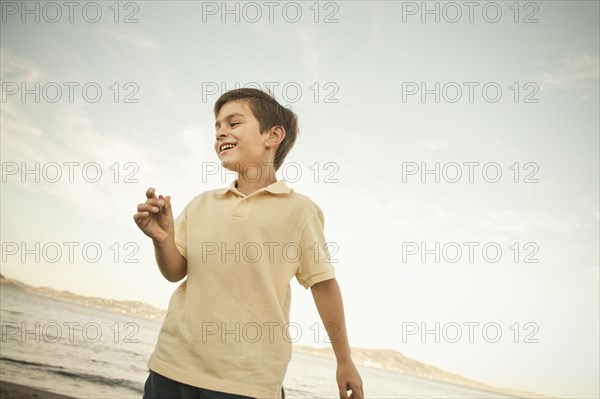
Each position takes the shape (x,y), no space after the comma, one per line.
(279,187)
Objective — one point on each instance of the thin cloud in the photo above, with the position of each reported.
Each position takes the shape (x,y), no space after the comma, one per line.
(132,37)
(310,47)
(433,145)
(376,32)
(574,72)
(72,137)
(11,123)
(17,68)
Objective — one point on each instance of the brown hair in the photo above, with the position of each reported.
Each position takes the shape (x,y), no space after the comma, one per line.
(269,113)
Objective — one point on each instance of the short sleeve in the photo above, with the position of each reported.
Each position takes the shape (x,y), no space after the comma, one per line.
(315,264)
(181,232)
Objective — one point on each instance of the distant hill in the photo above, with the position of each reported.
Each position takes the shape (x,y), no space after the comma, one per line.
(378,358)
(134,308)
(391,360)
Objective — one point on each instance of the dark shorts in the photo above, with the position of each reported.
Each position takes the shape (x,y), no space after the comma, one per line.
(160,387)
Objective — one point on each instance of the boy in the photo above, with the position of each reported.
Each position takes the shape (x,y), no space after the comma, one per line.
(226,334)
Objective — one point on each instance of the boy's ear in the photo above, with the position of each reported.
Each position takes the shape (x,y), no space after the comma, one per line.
(276,136)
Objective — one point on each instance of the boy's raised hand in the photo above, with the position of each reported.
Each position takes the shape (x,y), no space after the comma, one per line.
(155,217)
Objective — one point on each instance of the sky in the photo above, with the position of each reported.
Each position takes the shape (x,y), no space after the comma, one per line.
(453,148)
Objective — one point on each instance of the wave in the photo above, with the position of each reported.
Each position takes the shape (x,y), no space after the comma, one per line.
(77,375)
(27,363)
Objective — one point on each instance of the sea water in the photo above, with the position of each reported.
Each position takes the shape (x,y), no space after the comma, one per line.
(85,352)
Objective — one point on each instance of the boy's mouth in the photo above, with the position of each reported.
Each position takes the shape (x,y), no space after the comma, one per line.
(226,147)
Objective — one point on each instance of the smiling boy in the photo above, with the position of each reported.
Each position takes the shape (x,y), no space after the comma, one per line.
(226,334)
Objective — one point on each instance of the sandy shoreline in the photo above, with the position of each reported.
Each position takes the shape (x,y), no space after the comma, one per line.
(8,390)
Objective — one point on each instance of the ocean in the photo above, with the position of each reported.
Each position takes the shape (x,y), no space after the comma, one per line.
(91,353)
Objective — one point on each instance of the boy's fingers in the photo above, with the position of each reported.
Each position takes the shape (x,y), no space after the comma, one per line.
(357,393)
(155,202)
(166,209)
(151,193)
(138,217)
(147,208)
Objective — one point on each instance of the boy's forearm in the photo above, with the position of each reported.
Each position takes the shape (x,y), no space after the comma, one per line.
(171,264)
(328,299)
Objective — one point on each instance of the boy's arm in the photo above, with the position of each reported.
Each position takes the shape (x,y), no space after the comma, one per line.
(328,299)
(171,264)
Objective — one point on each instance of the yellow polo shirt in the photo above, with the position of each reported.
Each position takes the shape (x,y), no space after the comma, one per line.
(226,327)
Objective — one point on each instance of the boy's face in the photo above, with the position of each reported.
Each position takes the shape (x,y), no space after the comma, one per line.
(237,125)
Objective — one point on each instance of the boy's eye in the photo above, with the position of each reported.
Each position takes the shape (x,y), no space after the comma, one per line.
(232,124)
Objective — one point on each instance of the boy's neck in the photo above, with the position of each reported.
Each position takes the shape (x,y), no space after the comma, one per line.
(248,185)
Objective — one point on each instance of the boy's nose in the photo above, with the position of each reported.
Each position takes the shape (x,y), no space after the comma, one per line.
(220,135)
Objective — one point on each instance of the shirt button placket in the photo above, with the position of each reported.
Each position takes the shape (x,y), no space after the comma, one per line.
(241,210)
